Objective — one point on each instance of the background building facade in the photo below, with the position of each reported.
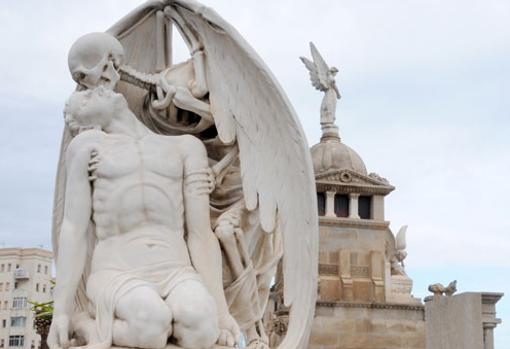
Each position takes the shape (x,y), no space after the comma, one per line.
(364,296)
(25,276)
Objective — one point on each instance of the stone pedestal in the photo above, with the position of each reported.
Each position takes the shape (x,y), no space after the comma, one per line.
(464,321)
(400,290)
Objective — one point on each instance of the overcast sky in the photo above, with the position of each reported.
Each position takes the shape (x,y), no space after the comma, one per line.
(425,102)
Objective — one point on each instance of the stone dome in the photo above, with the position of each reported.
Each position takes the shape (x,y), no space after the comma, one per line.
(332,154)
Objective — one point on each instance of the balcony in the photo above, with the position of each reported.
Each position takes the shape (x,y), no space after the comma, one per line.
(20,274)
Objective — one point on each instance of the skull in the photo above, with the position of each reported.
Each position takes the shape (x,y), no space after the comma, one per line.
(94,59)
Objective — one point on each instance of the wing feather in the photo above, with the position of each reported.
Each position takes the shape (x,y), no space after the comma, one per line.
(276,168)
(320,63)
(314,75)
(401,238)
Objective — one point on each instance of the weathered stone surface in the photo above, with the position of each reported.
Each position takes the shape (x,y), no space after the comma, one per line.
(368,327)
(463,321)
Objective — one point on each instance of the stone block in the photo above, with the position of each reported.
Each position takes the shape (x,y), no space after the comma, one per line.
(362,290)
(329,289)
(319,337)
(454,322)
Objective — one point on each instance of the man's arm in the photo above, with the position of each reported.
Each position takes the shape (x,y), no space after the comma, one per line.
(203,245)
(73,240)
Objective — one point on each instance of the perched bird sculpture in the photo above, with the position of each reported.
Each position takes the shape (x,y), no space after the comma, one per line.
(439,290)
(451,288)
(323,79)
(436,289)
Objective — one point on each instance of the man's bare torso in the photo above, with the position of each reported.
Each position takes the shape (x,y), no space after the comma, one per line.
(137,200)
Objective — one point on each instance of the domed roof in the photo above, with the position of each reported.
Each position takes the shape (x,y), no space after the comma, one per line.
(332,154)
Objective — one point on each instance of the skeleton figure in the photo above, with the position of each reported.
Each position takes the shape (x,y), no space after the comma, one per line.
(323,79)
(397,261)
(256,217)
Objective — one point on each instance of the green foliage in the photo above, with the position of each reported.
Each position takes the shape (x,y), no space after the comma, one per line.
(42,310)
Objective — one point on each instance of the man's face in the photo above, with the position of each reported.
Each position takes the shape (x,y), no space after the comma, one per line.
(92,108)
(100,108)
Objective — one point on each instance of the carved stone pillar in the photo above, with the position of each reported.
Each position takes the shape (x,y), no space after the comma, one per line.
(377,275)
(488,335)
(345,275)
(330,204)
(489,300)
(353,205)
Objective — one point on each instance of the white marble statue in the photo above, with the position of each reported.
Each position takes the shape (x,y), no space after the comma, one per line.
(323,79)
(397,260)
(180,187)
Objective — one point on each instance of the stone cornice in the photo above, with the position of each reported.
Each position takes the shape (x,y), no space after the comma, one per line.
(347,181)
(370,305)
(355,223)
(25,252)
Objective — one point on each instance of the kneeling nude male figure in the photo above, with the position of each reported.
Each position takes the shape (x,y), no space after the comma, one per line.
(148,279)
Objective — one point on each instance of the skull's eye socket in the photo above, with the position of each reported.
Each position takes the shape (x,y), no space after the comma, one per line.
(105,67)
(79,76)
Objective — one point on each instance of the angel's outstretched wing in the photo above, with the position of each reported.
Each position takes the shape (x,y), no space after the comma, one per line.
(314,74)
(248,105)
(400,243)
(318,69)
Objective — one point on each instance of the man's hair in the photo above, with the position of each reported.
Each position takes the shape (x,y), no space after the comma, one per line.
(72,108)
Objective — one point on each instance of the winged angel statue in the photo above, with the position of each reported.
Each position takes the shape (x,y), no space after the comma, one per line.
(179,189)
(323,79)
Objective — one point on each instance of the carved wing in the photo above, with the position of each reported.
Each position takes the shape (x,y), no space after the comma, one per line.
(322,67)
(314,74)
(401,238)
(249,107)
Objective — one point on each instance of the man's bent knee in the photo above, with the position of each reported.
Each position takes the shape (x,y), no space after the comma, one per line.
(202,335)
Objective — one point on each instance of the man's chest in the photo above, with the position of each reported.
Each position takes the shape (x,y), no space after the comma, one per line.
(121,156)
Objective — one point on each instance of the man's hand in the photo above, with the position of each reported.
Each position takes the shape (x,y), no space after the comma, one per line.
(58,337)
(230,333)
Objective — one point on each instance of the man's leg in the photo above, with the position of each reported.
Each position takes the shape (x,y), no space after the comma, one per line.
(143,320)
(195,315)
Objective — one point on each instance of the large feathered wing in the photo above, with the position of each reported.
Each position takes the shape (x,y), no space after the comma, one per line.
(248,105)
(314,74)
(321,66)
(400,242)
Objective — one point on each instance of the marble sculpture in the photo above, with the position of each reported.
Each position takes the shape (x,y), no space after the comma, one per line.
(323,79)
(180,187)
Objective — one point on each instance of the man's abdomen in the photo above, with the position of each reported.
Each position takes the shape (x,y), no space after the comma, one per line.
(126,204)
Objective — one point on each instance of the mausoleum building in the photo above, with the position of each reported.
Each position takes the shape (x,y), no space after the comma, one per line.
(364,294)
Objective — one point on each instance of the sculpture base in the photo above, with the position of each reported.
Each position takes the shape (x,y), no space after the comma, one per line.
(400,293)
(172,346)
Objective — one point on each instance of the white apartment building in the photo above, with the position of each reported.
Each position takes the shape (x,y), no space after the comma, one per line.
(25,276)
